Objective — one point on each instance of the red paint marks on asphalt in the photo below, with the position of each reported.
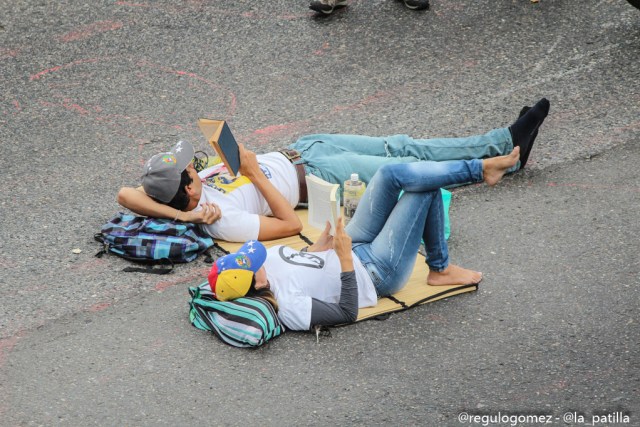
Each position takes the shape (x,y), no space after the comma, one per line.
(563,384)
(99,307)
(268,134)
(16,104)
(162,286)
(274,129)
(7,263)
(233,101)
(90,31)
(75,107)
(378,97)
(87,110)
(259,136)
(48,71)
(8,53)
(91,264)
(165,284)
(64,85)
(141,143)
(157,344)
(44,72)
(6,345)
(437,318)
(630,126)
(323,49)
(68,105)
(33,288)
(109,118)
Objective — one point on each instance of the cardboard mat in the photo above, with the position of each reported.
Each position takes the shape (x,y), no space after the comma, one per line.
(416,292)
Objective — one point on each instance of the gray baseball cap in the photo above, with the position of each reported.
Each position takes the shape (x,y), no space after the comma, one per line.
(161,177)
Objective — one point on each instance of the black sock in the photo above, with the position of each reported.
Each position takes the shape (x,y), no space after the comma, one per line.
(524,157)
(525,129)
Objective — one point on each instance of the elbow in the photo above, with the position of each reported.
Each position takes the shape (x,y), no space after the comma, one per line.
(293,227)
(121,197)
(350,313)
(124,197)
(298,227)
(271,229)
(352,316)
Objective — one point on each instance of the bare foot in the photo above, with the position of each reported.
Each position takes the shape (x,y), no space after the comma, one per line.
(494,168)
(454,275)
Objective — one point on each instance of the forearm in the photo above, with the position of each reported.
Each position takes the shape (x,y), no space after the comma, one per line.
(345,311)
(280,207)
(140,203)
(346,263)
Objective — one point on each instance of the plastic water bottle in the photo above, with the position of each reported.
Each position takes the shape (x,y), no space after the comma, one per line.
(353,191)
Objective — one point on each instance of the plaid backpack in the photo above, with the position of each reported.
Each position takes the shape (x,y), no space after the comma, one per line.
(244,322)
(152,241)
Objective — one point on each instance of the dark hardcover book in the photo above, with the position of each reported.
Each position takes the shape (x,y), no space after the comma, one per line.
(221,139)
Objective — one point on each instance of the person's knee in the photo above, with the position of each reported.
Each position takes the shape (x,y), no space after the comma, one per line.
(386,172)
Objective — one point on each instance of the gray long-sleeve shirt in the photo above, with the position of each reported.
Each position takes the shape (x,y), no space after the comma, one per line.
(344,311)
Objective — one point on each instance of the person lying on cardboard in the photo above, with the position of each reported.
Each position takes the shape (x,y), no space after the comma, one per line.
(259,204)
(372,257)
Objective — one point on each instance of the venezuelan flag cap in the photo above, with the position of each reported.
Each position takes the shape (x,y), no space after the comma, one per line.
(231,275)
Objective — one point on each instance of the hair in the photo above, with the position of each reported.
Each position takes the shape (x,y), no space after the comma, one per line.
(181,200)
(265,294)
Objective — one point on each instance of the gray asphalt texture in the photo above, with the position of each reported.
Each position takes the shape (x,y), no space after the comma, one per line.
(92,89)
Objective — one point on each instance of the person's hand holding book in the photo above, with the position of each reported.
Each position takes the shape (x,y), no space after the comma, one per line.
(324,242)
(249,166)
(342,246)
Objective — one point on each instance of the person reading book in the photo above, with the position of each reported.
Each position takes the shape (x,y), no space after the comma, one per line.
(230,208)
(372,257)
(259,204)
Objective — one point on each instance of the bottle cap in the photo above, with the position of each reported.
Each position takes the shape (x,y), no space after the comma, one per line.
(355,177)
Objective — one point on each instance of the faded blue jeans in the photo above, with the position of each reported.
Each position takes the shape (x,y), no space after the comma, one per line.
(386,230)
(335,157)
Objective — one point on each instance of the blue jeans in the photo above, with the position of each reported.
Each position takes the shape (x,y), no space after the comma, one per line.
(386,230)
(335,157)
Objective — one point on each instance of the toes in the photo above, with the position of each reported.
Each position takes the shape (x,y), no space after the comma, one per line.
(516,151)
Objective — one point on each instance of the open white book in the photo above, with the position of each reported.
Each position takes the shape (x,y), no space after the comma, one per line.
(324,202)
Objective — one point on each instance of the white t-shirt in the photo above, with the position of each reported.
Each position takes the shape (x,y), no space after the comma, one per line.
(296,277)
(241,202)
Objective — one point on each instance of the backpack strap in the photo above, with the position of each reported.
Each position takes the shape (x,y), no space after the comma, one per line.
(208,258)
(151,269)
(100,238)
(306,239)
(220,248)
